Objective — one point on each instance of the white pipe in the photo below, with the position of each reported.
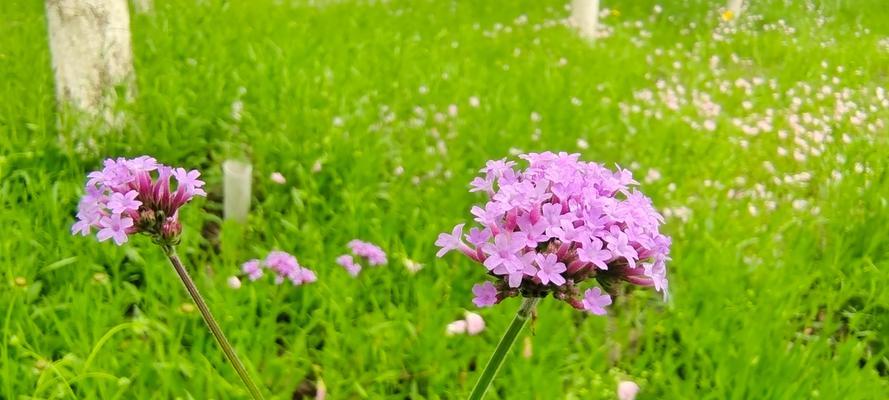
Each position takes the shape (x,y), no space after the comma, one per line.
(236,187)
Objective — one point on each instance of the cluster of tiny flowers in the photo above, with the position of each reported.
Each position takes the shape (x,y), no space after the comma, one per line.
(139,195)
(372,253)
(557,223)
(284,265)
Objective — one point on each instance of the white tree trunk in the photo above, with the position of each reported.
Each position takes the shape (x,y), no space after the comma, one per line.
(735,7)
(585,17)
(91,51)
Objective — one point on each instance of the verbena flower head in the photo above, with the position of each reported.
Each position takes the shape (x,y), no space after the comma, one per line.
(284,266)
(138,195)
(550,227)
(372,253)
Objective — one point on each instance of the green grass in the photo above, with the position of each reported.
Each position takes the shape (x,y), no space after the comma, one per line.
(781,303)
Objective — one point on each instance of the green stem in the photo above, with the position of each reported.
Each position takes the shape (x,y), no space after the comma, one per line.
(212,324)
(496,361)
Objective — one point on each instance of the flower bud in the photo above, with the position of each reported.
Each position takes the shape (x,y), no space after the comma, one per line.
(170,231)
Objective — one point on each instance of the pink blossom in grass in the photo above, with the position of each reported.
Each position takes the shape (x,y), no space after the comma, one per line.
(303,275)
(371,252)
(253,269)
(347,262)
(485,294)
(129,196)
(284,266)
(556,224)
(595,301)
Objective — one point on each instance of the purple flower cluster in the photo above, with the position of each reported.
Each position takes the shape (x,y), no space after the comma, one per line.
(556,224)
(372,253)
(130,196)
(283,264)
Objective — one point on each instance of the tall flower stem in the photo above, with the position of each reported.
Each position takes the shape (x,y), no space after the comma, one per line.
(211,323)
(506,342)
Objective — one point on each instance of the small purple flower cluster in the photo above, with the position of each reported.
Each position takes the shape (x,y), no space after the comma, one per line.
(372,253)
(130,196)
(557,223)
(283,264)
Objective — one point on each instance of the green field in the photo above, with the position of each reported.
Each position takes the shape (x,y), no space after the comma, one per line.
(764,141)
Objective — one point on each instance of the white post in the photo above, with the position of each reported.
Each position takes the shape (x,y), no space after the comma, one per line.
(236,185)
(91,51)
(585,17)
(735,7)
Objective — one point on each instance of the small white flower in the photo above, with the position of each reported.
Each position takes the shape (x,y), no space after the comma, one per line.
(412,265)
(233,282)
(627,390)
(278,178)
(456,328)
(474,323)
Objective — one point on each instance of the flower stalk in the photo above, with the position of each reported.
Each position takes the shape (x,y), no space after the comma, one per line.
(227,348)
(506,342)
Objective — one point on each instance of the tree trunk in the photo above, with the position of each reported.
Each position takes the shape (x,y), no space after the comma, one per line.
(91,53)
(585,17)
(735,7)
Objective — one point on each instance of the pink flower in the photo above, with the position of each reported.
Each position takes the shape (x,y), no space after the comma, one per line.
(447,242)
(253,269)
(189,180)
(284,265)
(122,203)
(559,222)
(371,252)
(485,294)
(129,196)
(349,264)
(592,252)
(114,227)
(595,301)
(550,269)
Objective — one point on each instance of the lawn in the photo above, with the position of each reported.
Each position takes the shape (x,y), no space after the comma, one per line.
(762,139)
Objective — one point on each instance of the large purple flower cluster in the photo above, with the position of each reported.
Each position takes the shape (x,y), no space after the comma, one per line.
(557,223)
(130,196)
